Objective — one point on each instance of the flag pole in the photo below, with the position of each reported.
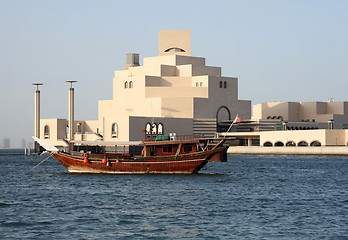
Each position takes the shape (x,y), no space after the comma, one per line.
(226,132)
(231,125)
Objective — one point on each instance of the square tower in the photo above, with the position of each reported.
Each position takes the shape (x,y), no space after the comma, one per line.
(174,42)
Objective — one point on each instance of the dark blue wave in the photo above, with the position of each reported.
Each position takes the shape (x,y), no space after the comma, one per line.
(249,197)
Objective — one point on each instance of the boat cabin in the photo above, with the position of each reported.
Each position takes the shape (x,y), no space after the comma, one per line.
(151,146)
(183,144)
(170,148)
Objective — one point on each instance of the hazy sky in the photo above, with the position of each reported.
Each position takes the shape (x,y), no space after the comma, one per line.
(295,50)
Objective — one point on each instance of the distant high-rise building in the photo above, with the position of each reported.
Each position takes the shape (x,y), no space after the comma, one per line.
(30,145)
(23,143)
(5,143)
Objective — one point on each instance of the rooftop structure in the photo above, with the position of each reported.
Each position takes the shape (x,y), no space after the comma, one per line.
(305,112)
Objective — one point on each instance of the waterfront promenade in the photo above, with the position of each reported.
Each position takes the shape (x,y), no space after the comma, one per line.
(256,150)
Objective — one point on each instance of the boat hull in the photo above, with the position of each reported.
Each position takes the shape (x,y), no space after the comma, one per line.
(184,164)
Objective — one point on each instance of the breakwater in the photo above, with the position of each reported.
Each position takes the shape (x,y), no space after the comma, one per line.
(17,151)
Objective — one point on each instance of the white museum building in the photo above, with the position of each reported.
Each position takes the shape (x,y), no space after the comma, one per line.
(170,93)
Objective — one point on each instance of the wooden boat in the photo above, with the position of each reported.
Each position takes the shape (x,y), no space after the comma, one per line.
(159,155)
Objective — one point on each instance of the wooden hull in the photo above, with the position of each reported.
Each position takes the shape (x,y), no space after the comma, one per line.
(181,164)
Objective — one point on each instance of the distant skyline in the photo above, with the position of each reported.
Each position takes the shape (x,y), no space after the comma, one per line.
(279,50)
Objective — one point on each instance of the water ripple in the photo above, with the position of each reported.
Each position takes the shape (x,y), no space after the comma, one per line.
(249,197)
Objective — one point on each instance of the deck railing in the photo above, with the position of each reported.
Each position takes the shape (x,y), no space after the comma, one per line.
(172,137)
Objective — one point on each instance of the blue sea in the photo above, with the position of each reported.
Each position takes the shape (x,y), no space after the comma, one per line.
(249,197)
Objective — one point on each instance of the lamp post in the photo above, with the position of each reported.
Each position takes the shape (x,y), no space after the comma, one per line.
(37,116)
(330,123)
(71,109)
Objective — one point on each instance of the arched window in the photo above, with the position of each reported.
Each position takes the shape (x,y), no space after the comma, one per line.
(160,129)
(66,131)
(46,132)
(148,128)
(267,144)
(196,84)
(154,129)
(302,144)
(291,144)
(201,84)
(131,84)
(315,144)
(222,114)
(279,144)
(114,130)
(125,84)
(225,84)
(220,84)
(174,49)
(79,128)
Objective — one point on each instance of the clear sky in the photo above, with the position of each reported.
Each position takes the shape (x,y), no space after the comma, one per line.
(295,50)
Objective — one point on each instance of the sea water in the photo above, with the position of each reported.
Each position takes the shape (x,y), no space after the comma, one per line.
(249,197)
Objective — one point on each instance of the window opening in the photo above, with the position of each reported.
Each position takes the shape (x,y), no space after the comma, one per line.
(279,144)
(291,144)
(148,128)
(114,130)
(187,148)
(79,128)
(174,49)
(315,144)
(167,149)
(160,129)
(154,128)
(302,144)
(46,132)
